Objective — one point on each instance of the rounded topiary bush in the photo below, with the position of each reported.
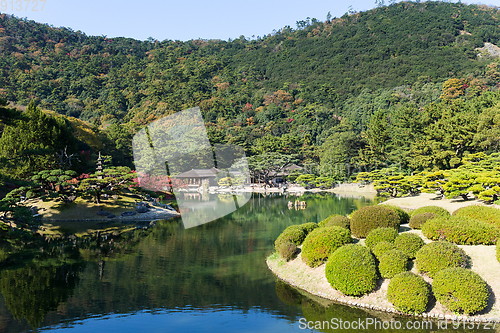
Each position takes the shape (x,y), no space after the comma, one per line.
(408,292)
(287,250)
(391,263)
(436,256)
(439,211)
(308,227)
(461,230)
(322,242)
(409,243)
(294,234)
(460,290)
(404,217)
(382,247)
(380,234)
(486,214)
(336,221)
(351,269)
(368,218)
(416,221)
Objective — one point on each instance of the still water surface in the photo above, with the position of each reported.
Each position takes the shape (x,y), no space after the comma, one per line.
(211,278)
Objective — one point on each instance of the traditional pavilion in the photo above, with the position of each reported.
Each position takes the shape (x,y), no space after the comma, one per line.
(199,176)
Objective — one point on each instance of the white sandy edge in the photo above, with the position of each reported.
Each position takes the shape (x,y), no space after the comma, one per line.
(483,262)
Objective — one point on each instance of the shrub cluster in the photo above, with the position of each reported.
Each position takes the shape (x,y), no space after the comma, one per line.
(461,230)
(498,250)
(351,269)
(460,290)
(322,242)
(287,250)
(408,292)
(482,213)
(391,263)
(439,211)
(404,217)
(294,234)
(436,256)
(308,227)
(417,220)
(382,247)
(336,221)
(409,243)
(371,217)
(378,235)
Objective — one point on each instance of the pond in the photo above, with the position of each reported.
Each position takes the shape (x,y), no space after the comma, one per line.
(210,278)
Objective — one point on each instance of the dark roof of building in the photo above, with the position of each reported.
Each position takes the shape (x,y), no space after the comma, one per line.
(198,173)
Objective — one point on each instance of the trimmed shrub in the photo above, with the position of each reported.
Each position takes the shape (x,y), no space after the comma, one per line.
(416,221)
(287,250)
(382,247)
(336,221)
(308,227)
(435,256)
(439,211)
(461,230)
(294,234)
(404,217)
(498,250)
(368,218)
(460,290)
(482,213)
(409,243)
(408,292)
(322,242)
(380,234)
(391,263)
(351,269)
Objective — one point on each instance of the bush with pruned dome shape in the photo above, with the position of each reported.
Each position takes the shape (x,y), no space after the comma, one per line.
(294,234)
(336,220)
(322,242)
(392,262)
(408,292)
(368,218)
(436,256)
(416,221)
(352,270)
(382,247)
(380,234)
(439,211)
(460,290)
(409,243)
(404,217)
(308,227)
(287,250)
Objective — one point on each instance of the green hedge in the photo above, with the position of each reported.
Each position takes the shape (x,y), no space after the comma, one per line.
(336,221)
(308,227)
(391,263)
(404,217)
(416,221)
(409,293)
(498,250)
(380,234)
(461,230)
(287,250)
(382,247)
(372,217)
(409,243)
(440,211)
(294,234)
(482,213)
(460,290)
(436,256)
(322,242)
(351,269)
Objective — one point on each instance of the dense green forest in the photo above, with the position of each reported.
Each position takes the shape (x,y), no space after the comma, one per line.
(396,84)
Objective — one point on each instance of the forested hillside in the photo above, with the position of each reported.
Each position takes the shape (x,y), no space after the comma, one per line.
(365,89)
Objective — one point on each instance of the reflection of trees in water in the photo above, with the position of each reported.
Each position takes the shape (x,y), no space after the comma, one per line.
(31,292)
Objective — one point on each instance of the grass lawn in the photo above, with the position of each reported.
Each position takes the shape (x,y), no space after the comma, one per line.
(81,209)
